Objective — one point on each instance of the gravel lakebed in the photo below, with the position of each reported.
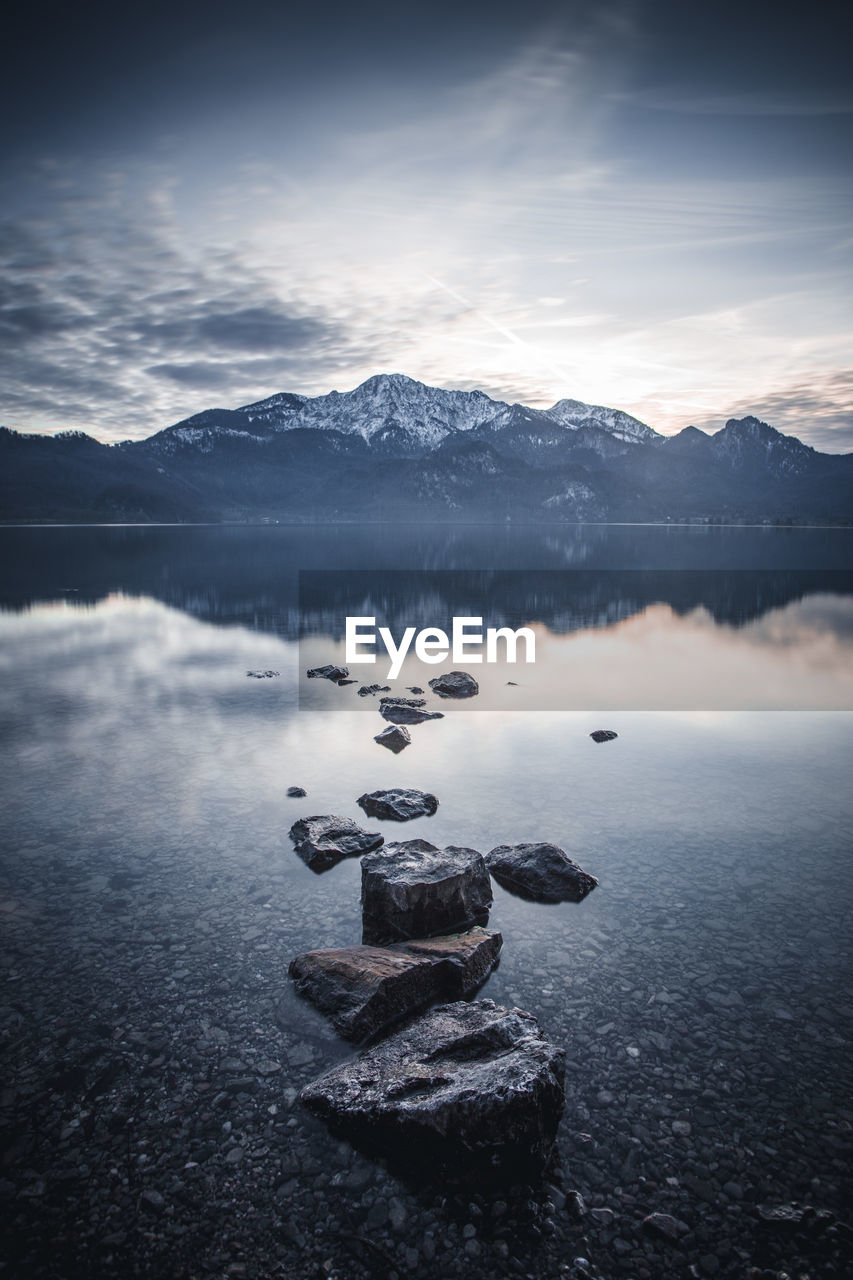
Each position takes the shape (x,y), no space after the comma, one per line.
(151,1125)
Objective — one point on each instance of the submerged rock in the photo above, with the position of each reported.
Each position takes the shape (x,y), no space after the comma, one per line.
(367,689)
(400,804)
(455,684)
(539,872)
(263,675)
(395,738)
(468,1082)
(413,889)
(394,713)
(329,672)
(296,792)
(324,841)
(364,989)
(604,735)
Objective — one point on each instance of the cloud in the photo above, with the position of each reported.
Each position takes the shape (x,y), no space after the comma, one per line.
(268,328)
(757,102)
(95,312)
(820,411)
(199,374)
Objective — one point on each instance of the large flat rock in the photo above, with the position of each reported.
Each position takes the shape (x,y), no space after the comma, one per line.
(365,989)
(539,872)
(467,1081)
(324,840)
(330,672)
(400,713)
(412,889)
(400,804)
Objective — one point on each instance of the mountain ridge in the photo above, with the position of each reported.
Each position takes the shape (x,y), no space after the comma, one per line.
(398,449)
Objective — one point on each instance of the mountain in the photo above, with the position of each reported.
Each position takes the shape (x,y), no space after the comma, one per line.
(397,413)
(394,448)
(575,414)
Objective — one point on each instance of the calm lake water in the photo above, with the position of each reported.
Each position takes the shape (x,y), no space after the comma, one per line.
(152,901)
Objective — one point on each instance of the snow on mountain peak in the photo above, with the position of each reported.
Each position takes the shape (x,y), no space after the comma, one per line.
(574,413)
(393,404)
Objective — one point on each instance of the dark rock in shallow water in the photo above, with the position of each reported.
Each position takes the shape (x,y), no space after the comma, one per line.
(396,714)
(468,1082)
(401,804)
(539,872)
(395,738)
(324,841)
(367,689)
(413,688)
(455,684)
(412,889)
(296,792)
(364,989)
(263,675)
(603,735)
(337,674)
(401,702)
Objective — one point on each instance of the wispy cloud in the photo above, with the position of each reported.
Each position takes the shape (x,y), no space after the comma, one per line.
(269,248)
(756,102)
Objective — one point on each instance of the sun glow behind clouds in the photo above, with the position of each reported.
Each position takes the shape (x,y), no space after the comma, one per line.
(527,220)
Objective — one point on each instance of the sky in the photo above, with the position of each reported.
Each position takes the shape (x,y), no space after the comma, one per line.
(637,203)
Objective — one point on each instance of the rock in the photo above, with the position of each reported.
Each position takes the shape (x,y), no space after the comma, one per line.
(603,735)
(466,1082)
(539,872)
(455,684)
(394,713)
(152,1200)
(400,804)
(263,675)
(372,689)
(324,841)
(402,702)
(785,1216)
(413,688)
(364,989)
(296,792)
(575,1205)
(329,672)
(395,738)
(664,1226)
(412,889)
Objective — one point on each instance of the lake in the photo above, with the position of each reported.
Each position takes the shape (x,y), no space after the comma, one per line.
(152,901)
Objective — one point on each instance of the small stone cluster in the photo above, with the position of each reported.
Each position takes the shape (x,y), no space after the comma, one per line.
(462,1081)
